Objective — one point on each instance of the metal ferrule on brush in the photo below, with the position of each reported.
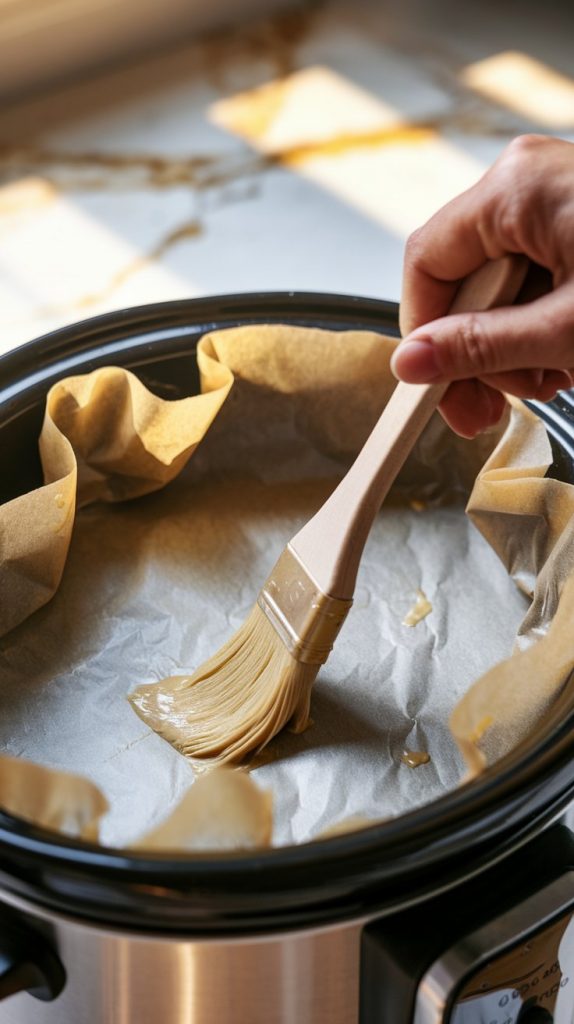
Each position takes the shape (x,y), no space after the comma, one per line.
(306,620)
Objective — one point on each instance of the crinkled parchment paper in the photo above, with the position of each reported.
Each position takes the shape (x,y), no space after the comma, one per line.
(150,588)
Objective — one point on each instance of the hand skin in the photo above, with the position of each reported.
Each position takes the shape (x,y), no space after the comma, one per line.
(523,204)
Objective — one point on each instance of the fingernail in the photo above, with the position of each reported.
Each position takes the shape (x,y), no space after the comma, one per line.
(415,361)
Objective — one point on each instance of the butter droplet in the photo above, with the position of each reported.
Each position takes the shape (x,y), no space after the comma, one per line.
(60,500)
(419,611)
(417,504)
(481,728)
(414,758)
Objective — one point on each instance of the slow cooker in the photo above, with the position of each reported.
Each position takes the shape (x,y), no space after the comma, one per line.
(460,912)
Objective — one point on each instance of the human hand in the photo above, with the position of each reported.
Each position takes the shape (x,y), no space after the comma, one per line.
(523,204)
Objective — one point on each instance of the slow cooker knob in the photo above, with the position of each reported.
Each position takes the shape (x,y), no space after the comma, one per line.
(28,963)
(535,1015)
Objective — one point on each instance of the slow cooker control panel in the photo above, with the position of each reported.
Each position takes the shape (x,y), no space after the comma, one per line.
(518,968)
(530,983)
(496,949)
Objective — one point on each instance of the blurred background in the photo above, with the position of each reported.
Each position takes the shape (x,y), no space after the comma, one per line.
(150,151)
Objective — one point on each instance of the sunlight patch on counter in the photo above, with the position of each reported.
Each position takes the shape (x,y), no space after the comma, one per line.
(58,264)
(352,144)
(305,108)
(398,185)
(526,86)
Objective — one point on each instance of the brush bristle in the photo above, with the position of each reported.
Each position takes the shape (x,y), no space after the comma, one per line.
(236,702)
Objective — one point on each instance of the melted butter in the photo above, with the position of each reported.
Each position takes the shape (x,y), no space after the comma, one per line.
(417,504)
(67,510)
(481,728)
(419,611)
(414,758)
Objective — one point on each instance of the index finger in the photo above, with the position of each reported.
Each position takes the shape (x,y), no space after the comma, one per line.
(446,249)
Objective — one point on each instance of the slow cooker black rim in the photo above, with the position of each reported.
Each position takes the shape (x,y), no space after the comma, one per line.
(338,877)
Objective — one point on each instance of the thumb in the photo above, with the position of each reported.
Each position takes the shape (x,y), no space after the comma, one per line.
(537,335)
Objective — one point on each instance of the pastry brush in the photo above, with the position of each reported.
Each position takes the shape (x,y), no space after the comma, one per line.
(261,679)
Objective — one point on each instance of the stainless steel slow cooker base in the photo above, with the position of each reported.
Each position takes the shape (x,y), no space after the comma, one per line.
(129,978)
(456,958)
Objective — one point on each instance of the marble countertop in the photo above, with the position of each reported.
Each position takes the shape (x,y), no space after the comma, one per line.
(293,153)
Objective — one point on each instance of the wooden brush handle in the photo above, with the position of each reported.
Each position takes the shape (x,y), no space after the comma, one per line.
(331,544)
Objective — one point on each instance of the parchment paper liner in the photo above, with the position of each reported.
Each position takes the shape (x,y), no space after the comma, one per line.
(223,810)
(106,437)
(56,800)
